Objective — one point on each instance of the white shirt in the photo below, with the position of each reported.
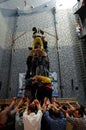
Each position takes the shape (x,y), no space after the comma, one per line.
(32,121)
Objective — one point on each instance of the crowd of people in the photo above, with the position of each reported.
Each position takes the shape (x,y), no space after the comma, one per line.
(24,114)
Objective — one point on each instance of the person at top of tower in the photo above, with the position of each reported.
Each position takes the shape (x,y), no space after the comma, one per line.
(36,33)
(40,33)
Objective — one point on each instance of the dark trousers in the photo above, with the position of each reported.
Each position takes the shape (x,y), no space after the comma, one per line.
(44,92)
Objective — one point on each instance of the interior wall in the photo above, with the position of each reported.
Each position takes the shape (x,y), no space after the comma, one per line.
(68,41)
(6,32)
(3,51)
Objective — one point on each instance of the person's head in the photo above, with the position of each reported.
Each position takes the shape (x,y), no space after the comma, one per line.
(82,108)
(21,112)
(3,106)
(32,108)
(54,113)
(36,79)
(64,107)
(51,112)
(78,113)
(57,114)
(6,108)
(34,29)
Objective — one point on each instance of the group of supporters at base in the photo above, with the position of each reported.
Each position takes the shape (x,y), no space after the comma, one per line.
(22,114)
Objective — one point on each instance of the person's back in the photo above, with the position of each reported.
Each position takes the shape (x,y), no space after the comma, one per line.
(56,123)
(78,120)
(31,119)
